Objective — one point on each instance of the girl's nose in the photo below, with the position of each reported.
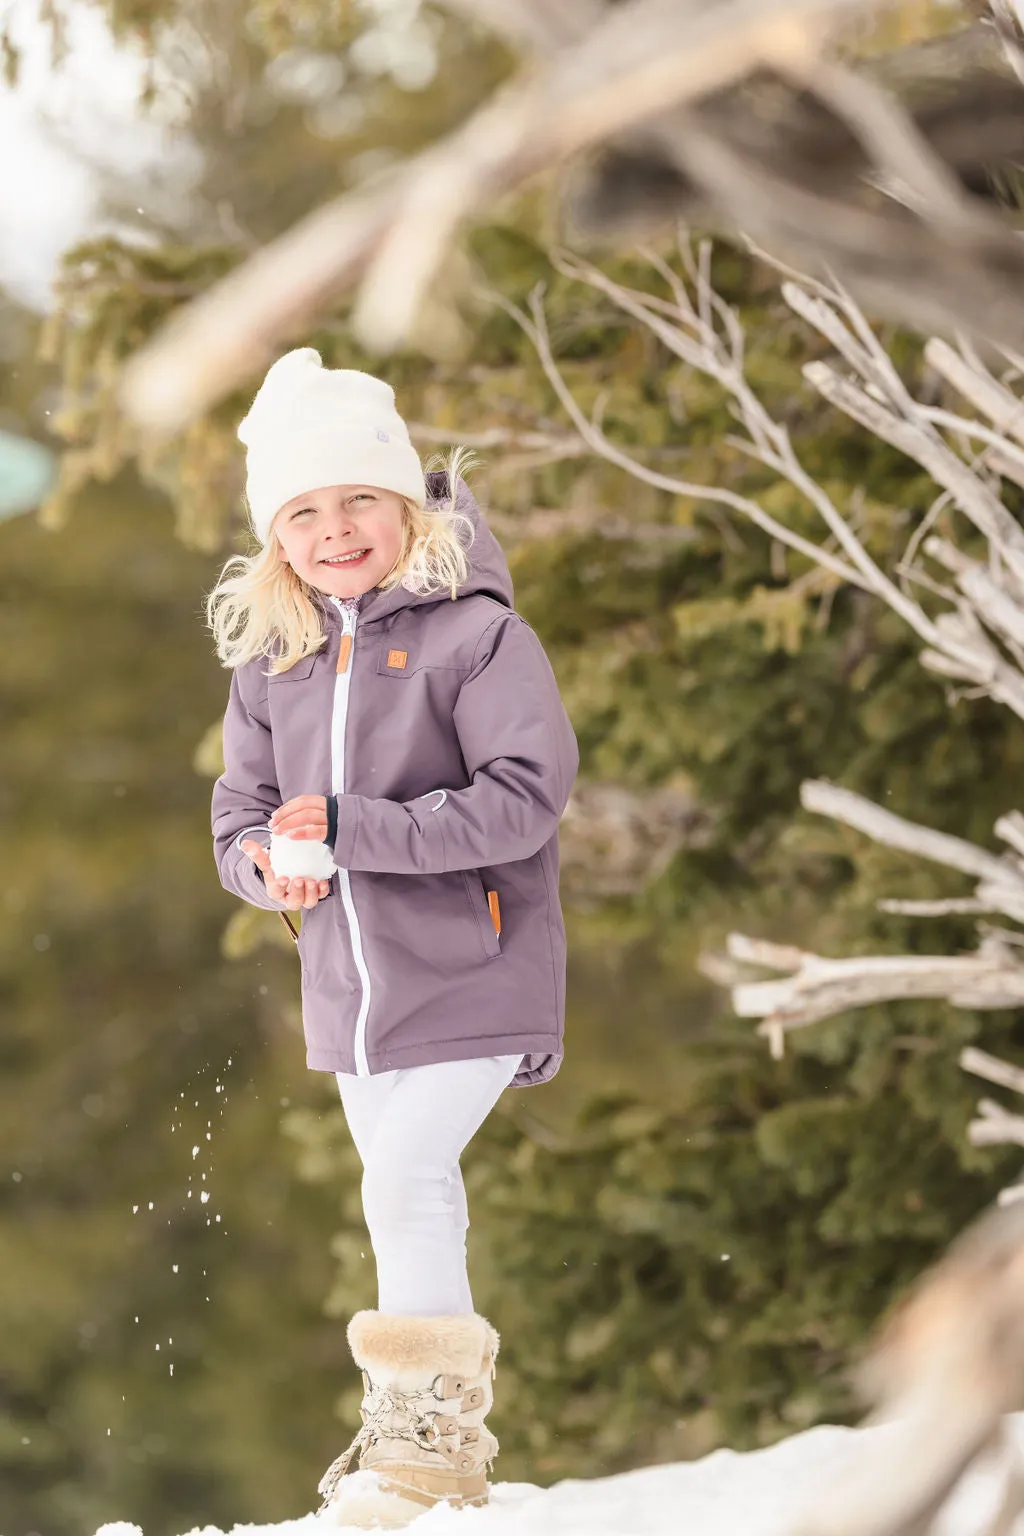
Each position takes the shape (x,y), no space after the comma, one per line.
(338,523)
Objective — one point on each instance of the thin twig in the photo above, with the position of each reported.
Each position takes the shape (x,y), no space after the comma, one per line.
(536,329)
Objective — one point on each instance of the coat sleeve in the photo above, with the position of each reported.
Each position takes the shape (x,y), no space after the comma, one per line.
(521,757)
(244,795)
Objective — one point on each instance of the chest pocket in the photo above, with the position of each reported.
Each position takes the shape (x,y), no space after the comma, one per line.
(401,659)
(294,674)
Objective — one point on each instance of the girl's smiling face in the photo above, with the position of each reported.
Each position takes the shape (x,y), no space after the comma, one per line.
(318,531)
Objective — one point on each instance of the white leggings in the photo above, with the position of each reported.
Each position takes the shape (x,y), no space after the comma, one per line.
(410,1127)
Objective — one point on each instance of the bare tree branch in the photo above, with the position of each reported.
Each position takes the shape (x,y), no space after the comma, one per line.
(694,339)
(680,86)
(944,907)
(536,329)
(893,140)
(1010,829)
(533,23)
(969,641)
(819,988)
(995,1125)
(883,826)
(992,1069)
(978,637)
(978,386)
(640,56)
(946,469)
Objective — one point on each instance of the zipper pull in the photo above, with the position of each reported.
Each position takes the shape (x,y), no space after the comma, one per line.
(348,631)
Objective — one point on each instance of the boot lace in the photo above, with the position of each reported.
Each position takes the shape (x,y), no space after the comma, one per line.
(387,1415)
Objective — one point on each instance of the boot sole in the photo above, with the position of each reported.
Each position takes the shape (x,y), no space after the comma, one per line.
(431,1487)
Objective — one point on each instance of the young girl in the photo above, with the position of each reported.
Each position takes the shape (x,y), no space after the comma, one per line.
(396,727)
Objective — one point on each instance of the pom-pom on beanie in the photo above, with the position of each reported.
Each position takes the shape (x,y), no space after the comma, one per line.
(311,426)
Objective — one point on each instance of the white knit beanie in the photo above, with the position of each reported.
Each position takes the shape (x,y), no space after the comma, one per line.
(311,426)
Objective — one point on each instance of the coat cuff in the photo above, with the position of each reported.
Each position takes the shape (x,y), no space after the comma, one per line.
(348,824)
(332,821)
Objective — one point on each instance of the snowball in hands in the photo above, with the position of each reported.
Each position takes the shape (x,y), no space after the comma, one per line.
(292,858)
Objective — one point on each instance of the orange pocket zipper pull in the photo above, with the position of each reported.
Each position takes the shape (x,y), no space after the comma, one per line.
(495,910)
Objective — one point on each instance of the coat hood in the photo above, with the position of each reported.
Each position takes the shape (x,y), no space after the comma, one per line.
(488,569)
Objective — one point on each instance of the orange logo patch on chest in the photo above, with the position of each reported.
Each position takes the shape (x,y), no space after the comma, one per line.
(397,659)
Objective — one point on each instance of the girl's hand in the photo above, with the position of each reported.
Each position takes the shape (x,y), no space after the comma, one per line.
(304,818)
(294,893)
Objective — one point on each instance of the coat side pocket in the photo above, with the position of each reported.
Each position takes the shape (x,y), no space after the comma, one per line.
(486,912)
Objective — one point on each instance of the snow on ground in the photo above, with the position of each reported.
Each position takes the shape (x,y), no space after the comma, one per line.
(761,1493)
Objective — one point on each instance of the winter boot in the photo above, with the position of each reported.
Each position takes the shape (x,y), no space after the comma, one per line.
(427,1388)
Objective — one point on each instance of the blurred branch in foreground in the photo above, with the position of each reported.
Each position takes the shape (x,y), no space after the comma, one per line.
(732,114)
(946,1369)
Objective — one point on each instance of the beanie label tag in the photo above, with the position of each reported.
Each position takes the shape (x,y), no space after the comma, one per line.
(397,659)
(382,436)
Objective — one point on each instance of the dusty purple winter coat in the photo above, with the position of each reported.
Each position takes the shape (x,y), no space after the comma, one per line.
(452,757)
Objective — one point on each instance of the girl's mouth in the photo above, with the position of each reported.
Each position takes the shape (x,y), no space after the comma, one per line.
(337,562)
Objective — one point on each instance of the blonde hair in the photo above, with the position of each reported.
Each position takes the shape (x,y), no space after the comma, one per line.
(260,607)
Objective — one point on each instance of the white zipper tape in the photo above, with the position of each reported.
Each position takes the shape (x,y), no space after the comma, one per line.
(339,720)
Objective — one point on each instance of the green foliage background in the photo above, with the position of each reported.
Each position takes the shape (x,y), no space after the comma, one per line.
(683,1243)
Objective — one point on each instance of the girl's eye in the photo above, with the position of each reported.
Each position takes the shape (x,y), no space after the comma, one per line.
(301,512)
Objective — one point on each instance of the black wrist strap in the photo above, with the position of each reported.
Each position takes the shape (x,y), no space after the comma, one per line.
(332,821)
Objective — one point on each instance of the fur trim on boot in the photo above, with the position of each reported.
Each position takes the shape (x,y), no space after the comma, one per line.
(427,1386)
(397,1349)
